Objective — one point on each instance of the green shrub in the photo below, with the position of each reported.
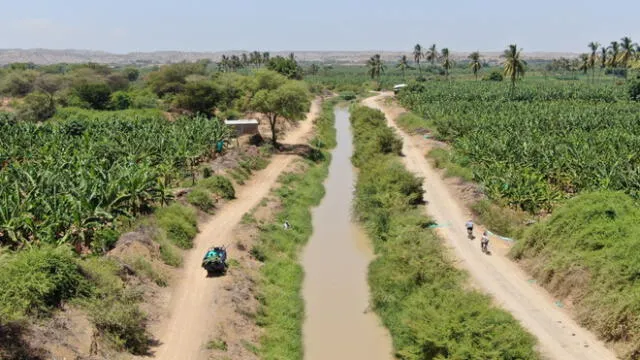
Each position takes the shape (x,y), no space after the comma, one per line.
(441,157)
(104,240)
(455,170)
(587,251)
(217,344)
(219,185)
(251,163)
(207,172)
(495,75)
(102,274)
(373,137)
(36,280)
(112,307)
(37,106)
(180,224)
(97,95)
(348,95)
(143,267)
(201,198)
(498,219)
(412,122)
(634,90)
(120,100)
(169,254)
(124,324)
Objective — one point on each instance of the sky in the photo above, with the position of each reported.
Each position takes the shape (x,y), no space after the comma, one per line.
(298,25)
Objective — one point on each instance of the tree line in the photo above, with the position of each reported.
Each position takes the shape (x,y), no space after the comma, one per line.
(514,65)
(614,59)
(37,92)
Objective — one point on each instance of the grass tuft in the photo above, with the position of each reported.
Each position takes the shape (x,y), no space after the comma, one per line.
(180,224)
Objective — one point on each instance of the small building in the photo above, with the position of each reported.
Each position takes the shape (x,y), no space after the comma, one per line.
(398,87)
(243,126)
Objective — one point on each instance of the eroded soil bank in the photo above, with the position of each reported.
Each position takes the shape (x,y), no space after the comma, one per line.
(338,324)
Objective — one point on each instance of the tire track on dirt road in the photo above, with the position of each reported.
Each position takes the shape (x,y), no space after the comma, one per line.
(559,336)
(193,309)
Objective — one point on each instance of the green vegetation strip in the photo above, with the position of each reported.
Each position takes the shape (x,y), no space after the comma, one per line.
(282,311)
(420,296)
(588,251)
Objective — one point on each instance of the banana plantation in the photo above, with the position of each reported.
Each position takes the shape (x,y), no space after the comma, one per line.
(537,145)
(68,180)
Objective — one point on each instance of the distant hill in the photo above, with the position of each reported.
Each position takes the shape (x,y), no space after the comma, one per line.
(48,56)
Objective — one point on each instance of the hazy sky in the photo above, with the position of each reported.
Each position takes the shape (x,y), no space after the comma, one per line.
(191,25)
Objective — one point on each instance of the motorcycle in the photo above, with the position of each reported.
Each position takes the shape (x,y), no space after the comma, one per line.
(215,261)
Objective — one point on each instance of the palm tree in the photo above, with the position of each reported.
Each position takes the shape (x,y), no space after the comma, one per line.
(583,63)
(626,46)
(265,57)
(223,65)
(614,52)
(417,55)
(603,57)
(403,65)
(593,58)
(514,67)
(475,63)
(447,63)
(376,67)
(432,54)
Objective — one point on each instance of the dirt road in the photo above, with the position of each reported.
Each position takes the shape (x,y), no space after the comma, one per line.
(193,305)
(559,336)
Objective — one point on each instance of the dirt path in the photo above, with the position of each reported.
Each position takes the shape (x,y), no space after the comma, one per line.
(559,336)
(184,334)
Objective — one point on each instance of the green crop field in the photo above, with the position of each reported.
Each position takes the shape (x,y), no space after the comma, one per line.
(66,180)
(544,141)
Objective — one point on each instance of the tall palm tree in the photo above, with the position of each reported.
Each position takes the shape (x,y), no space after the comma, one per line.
(583,63)
(403,65)
(627,50)
(432,54)
(475,63)
(376,67)
(603,57)
(593,58)
(514,67)
(614,52)
(447,63)
(417,55)
(223,65)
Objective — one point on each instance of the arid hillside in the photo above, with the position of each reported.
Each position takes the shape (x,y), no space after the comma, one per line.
(48,56)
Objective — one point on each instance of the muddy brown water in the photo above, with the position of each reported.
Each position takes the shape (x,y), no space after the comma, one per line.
(338,323)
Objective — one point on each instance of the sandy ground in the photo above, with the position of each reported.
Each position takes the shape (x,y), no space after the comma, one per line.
(193,306)
(559,336)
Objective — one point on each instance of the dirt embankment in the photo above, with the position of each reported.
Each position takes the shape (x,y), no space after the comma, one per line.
(195,307)
(559,336)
